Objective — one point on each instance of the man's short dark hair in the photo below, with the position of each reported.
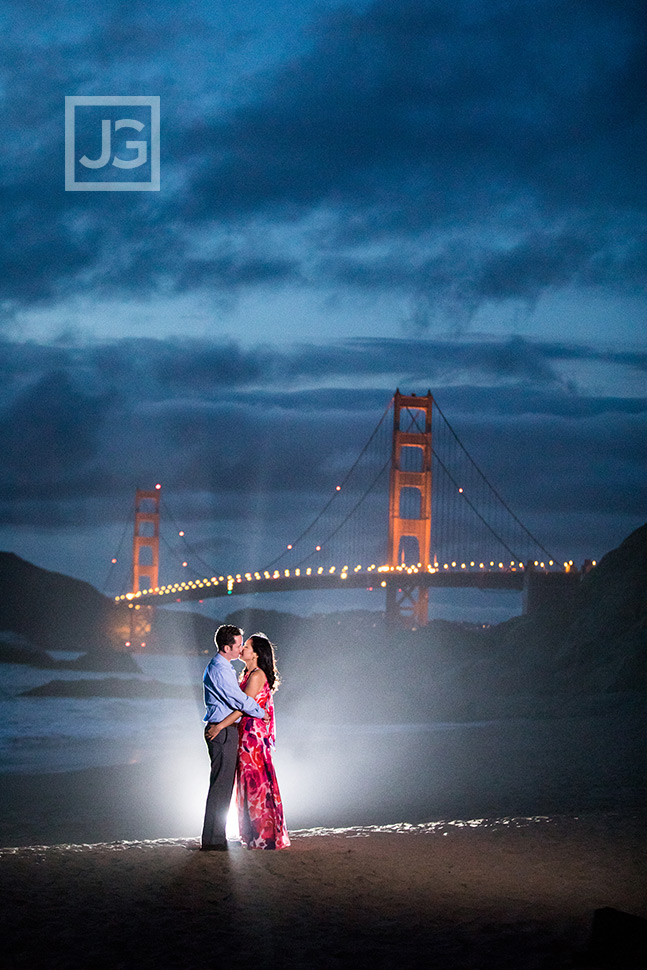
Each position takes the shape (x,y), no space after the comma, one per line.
(226,634)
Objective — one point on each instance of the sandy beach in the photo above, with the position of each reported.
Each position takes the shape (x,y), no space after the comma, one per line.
(506,894)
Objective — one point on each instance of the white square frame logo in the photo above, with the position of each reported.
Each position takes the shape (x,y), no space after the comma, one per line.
(71,103)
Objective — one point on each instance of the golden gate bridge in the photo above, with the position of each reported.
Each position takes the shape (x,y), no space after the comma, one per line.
(414,511)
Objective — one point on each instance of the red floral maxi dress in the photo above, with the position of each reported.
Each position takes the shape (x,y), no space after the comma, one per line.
(260,809)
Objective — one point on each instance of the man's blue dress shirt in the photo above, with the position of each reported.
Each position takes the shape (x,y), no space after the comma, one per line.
(222,695)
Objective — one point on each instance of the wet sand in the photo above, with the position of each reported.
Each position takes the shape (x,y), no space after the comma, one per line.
(500,895)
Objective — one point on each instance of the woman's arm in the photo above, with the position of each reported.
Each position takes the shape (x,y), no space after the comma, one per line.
(214,728)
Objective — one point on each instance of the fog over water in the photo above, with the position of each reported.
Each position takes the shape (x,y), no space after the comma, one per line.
(340,759)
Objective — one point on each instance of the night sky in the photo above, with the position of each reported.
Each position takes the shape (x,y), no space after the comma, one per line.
(354,197)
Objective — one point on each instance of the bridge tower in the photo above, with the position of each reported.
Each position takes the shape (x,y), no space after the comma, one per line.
(146,559)
(410,506)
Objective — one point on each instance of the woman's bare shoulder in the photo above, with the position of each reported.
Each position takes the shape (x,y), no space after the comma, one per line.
(256,679)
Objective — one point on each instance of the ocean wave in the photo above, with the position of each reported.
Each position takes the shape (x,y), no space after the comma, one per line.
(434,828)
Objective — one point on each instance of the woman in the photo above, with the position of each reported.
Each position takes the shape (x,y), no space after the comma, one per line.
(260,810)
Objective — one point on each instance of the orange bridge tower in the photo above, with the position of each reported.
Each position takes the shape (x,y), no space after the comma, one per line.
(146,560)
(410,507)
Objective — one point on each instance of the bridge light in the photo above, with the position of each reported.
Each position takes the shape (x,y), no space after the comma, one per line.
(453,565)
(317,548)
(127,643)
(500,565)
(289,545)
(113,560)
(460,490)
(158,486)
(287,573)
(462,565)
(297,572)
(185,564)
(383,583)
(338,488)
(445,566)
(550,562)
(319,570)
(471,564)
(266,574)
(332,569)
(542,565)
(309,571)
(257,575)
(181,532)
(481,566)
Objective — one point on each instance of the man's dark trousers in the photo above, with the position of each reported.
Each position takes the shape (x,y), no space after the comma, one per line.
(222,751)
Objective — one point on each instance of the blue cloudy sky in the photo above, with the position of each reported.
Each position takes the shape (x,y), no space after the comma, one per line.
(443,194)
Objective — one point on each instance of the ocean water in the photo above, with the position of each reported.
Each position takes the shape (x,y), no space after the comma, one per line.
(53,734)
(356,773)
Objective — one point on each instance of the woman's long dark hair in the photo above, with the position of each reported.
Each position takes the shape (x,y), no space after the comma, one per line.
(266,662)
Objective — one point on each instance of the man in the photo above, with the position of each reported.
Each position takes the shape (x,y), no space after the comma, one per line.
(222,695)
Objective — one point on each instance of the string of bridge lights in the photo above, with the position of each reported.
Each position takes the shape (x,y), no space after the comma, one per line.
(312,571)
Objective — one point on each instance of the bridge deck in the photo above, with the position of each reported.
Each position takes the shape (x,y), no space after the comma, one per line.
(500,579)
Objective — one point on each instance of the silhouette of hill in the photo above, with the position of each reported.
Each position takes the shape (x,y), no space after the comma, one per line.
(42,610)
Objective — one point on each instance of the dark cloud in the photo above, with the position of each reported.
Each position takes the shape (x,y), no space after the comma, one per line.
(133,371)
(515,131)
(97,420)
(50,432)
(444,104)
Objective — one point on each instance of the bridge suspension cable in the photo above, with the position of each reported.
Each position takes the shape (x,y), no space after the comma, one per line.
(339,491)
(491,487)
(448,504)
